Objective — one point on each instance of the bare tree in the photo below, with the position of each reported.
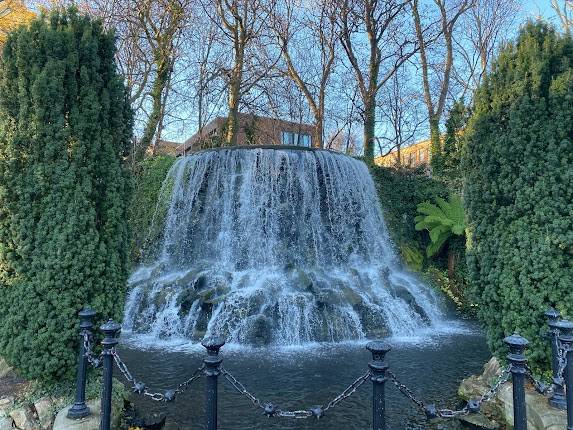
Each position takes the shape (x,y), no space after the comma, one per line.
(564,11)
(388,44)
(483,28)
(301,31)
(242,23)
(148,39)
(449,12)
(402,115)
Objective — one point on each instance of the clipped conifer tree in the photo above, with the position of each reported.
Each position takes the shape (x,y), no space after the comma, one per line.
(519,188)
(65,127)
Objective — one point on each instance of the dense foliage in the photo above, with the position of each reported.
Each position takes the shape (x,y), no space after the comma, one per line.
(446,160)
(519,188)
(65,126)
(147,209)
(400,192)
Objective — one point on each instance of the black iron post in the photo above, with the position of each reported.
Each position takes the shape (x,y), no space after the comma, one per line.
(79,408)
(516,357)
(566,340)
(110,330)
(557,399)
(212,370)
(378,369)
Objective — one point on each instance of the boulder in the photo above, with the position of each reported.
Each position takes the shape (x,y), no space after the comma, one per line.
(351,296)
(24,419)
(4,368)
(540,415)
(6,423)
(6,404)
(62,422)
(45,412)
(479,421)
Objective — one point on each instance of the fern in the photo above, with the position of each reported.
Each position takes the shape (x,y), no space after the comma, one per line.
(442,220)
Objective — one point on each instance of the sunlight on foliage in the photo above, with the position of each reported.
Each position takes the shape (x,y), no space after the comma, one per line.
(13,13)
(443,220)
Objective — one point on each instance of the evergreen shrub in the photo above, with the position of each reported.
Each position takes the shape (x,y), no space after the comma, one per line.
(65,128)
(519,188)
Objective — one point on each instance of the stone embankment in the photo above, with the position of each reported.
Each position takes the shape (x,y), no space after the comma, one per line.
(498,413)
(45,413)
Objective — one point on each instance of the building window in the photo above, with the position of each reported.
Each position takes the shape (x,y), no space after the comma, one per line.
(422,155)
(411,158)
(295,139)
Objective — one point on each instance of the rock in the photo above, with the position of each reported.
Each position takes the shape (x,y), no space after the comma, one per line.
(62,422)
(24,419)
(215,294)
(479,421)
(4,368)
(185,300)
(6,424)
(301,280)
(6,404)
(491,370)
(328,298)
(45,412)
(261,330)
(540,416)
(351,296)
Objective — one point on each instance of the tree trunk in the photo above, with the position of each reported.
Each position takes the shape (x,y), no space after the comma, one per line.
(435,139)
(369,124)
(318,130)
(452,263)
(163,72)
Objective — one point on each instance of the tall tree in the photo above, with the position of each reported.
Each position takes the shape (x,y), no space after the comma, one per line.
(13,13)
(436,77)
(402,114)
(564,11)
(480,33)
(301,31)
(519,188)
(388,46)
(243,24)
(65,127)
(149,38)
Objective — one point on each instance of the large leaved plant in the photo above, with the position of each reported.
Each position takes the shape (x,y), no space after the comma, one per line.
(442,220)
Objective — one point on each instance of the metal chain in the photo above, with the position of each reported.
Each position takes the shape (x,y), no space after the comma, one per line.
(349,391)
(94,360)
(489,394)
(431,411)
(405,390)
(562,351)
(538,385)
(271,410)
(241,388)
(141,388)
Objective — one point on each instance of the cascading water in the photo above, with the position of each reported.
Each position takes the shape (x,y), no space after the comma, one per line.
(274,246)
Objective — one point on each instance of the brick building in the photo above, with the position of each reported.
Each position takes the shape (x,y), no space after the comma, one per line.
(415,155)
(253,130)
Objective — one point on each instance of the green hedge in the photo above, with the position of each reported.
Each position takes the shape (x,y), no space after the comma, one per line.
(400,191)
(65,128)
(519,188)
(146,212)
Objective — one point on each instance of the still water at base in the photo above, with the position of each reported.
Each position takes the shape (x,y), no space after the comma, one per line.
(301,378)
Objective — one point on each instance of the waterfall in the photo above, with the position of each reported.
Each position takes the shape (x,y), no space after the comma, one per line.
(274,246)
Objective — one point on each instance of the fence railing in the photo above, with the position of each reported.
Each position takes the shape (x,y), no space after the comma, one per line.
(560,334)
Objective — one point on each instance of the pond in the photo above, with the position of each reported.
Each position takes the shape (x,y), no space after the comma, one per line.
(297,378)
